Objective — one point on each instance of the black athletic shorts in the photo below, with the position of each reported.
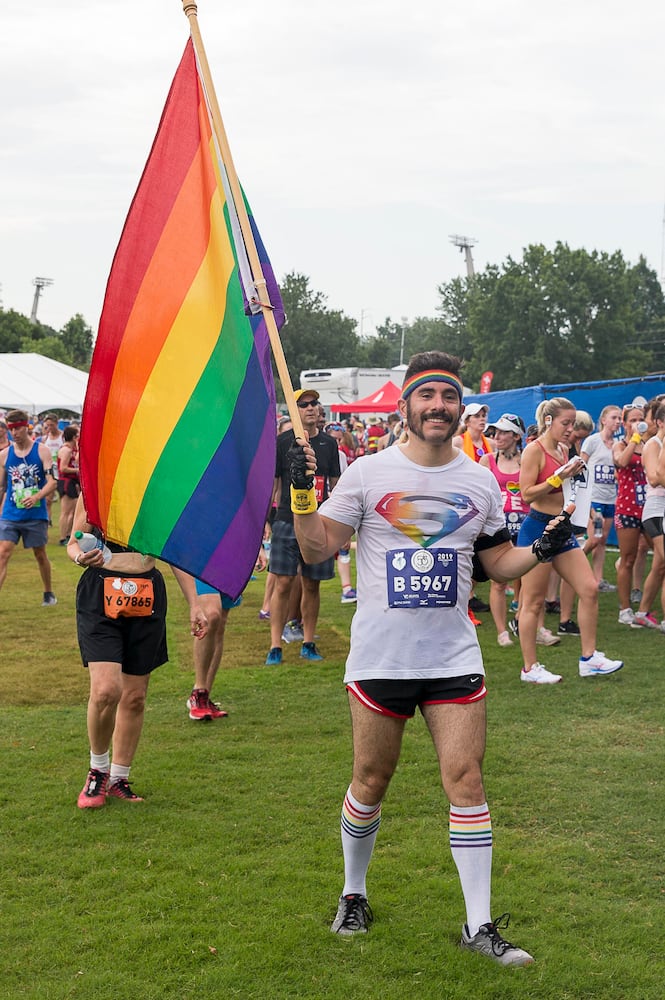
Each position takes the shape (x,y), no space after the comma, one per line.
(68,488)
(400,698)
(139,644)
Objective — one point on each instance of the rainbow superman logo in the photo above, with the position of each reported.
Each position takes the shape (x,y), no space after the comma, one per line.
(426,519)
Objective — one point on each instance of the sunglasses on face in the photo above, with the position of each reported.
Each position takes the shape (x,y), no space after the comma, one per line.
(306,403)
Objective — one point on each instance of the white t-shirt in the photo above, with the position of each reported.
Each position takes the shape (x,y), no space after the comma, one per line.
(416,527)
(601,470)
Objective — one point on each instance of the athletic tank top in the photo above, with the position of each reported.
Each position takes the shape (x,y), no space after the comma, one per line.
(549,469)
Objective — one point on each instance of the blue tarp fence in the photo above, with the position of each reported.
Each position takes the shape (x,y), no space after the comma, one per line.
(589,396)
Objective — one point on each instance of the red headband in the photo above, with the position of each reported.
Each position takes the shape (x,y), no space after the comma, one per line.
(18,423)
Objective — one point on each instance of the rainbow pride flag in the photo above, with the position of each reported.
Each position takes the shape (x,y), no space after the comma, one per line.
(178,429)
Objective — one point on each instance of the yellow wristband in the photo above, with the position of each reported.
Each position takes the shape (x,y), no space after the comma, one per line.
(555,482)
(303,501)
(636,438)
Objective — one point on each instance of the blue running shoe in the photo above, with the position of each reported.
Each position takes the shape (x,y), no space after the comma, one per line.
(309,652)
(274,657)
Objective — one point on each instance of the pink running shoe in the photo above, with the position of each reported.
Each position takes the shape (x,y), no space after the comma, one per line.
(121,789)
(93,794)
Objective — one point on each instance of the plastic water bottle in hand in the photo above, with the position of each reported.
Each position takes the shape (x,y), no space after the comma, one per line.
(597,524)
(88,542)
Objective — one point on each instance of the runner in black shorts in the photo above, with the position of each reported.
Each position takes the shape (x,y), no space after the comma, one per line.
(121,625)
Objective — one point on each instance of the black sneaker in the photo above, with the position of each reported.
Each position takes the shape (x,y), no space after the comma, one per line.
(568,628)
(354,915)
(552,608)
(514,626)
(489,942)
(475,604)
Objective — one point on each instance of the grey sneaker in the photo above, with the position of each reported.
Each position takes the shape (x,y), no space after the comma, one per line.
(489,942)
(49,599)
(635,595)
(292,632)
(606,588)
(354,915)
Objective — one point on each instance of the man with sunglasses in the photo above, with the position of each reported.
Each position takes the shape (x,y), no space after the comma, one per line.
(26,482)
(285,556)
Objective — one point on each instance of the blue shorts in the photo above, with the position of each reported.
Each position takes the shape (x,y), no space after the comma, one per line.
(227,602)
(604,509)
(34,533)
(400,698)
(533,527)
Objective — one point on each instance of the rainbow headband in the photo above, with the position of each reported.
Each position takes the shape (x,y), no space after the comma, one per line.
(436,375)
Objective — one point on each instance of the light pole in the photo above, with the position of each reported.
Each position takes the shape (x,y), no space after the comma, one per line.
(401,347)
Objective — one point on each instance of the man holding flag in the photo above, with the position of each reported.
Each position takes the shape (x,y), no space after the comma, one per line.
(424,516)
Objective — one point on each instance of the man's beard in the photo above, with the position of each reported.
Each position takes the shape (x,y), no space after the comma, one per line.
(415,424)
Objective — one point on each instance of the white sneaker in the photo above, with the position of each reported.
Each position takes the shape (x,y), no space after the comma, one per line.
(627,617)
(503,638)
(599,664)
(539,675)
(546,638)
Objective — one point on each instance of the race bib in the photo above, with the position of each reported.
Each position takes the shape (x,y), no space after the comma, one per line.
(128,597)
(319,487)
(422,578)
(20,494)
(603,475)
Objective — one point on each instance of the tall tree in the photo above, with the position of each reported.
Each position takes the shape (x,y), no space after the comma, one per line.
(14,329)
(557,315)
(76,338)
(314,336)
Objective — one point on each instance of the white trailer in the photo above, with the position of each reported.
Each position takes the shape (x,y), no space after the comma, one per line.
(346,385)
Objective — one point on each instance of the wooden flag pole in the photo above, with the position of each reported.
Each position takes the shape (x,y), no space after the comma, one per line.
(190,9)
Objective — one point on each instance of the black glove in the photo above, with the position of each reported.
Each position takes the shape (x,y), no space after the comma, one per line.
(553,541)
(301,477)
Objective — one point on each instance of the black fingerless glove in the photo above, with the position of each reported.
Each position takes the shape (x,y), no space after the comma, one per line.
(303,494)
(554,540)
(301,477)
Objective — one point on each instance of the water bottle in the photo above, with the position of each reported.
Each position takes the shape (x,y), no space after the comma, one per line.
(88,542)
(597,524)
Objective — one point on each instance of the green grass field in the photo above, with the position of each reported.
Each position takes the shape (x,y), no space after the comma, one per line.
(224,881)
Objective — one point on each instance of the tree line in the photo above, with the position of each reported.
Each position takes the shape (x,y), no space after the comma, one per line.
(561,315)
(72,345)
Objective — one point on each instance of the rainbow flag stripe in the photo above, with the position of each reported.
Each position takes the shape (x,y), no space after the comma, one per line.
(178,429)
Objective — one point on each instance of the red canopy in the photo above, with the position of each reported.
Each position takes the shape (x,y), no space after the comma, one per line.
(384,400)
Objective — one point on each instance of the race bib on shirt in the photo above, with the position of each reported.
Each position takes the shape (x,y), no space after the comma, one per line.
(422,578)
(603,475)
(319,488)
(128,597)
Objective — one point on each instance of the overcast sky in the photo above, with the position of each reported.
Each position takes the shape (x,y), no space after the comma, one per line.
(364,133)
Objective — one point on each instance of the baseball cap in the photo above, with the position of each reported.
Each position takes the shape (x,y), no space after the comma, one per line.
(509,422)
(305,392)
(473,408)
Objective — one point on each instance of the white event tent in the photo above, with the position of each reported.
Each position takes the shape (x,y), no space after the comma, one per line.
(34,383)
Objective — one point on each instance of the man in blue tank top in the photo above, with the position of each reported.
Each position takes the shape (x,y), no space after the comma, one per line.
(26,481)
